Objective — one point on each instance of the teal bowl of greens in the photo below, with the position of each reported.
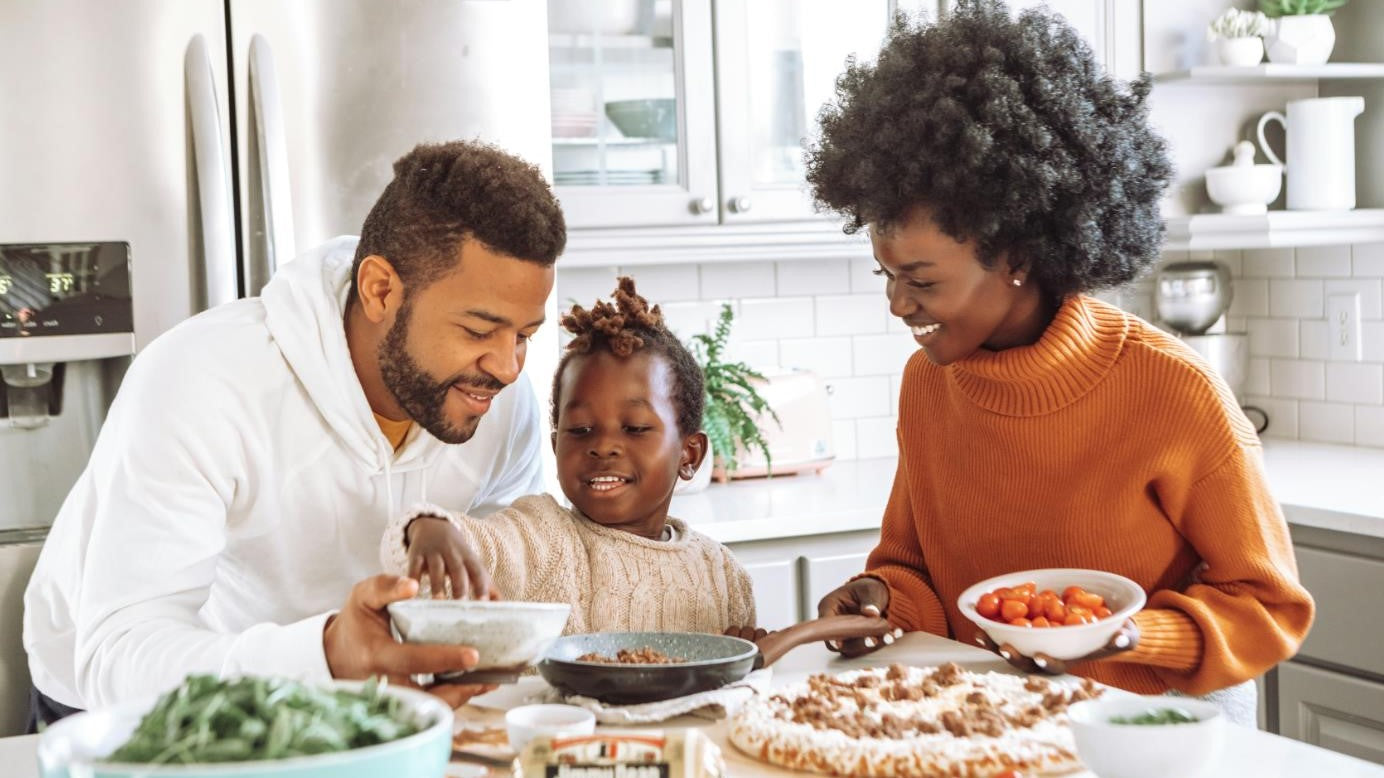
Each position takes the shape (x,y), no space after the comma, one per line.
(256,728)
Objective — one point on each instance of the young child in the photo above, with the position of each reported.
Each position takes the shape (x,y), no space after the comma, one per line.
(627,415)
(1002,176)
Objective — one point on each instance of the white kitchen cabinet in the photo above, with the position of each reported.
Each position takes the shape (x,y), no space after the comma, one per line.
(775,592)
(820,574)
(791,574)
(706,162)
(1332,693)
(1332,710)
(1112,28)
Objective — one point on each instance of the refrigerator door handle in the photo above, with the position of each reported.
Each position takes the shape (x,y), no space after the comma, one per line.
(275,197)
(213,181)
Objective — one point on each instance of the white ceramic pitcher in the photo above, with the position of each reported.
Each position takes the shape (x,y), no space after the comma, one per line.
(1321,152)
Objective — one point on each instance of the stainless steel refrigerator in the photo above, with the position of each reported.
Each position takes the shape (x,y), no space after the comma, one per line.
(199,144)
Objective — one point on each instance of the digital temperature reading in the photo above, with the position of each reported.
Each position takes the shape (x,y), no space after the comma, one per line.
(60,282)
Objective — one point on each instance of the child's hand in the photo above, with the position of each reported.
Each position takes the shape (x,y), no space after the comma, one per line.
(436,549)
(751,634)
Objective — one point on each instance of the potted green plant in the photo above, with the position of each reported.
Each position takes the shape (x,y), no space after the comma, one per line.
(1301,32)
(1237,36)
(734,407)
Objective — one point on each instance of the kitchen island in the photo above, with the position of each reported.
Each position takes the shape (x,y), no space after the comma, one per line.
(1246,752)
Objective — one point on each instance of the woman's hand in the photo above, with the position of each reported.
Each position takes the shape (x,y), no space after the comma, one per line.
(437,550)
(864,596)
(1126,638)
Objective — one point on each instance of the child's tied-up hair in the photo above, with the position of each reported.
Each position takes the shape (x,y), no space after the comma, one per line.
(624,326)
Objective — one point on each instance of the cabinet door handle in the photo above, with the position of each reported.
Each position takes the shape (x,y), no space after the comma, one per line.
(702,205)
(739,204)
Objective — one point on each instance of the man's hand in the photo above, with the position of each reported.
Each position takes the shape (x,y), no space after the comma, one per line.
(1124,639)
(437,550)
(864,596)
(358,643)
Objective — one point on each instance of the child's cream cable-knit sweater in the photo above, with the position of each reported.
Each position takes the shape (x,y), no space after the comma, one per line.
(539,551)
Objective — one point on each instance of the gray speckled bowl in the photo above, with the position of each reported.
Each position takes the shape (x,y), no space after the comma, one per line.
(712,662)
(508,635)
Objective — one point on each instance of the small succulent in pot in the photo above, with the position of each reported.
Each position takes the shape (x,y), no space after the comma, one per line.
(1276,8)
(1235,23)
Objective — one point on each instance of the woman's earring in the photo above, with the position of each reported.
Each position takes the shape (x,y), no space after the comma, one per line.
(1017,282)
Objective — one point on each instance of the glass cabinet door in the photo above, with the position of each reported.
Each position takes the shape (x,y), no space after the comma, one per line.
(777,63)
(633,111)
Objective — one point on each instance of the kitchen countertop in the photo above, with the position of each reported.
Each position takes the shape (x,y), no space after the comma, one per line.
(1245,751)
(1319,485)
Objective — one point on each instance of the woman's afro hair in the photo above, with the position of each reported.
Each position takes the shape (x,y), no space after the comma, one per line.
(623,327)
(1010,135)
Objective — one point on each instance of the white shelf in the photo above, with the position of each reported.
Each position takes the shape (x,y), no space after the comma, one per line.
(1274,229)
(781,241)
(1224,74)
(586,41)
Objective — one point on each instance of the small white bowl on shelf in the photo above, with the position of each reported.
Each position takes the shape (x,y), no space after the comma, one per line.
(1244,188)
(1122,596)
(1158,750)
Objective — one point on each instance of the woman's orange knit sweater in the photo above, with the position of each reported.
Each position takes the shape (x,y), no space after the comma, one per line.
(1109,445)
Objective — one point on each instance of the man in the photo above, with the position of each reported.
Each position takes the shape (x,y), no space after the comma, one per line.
(254,453)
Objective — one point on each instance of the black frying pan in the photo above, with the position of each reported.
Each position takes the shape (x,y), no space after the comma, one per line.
(712,661)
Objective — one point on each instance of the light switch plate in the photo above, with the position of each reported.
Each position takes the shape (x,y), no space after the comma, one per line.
(1343,326)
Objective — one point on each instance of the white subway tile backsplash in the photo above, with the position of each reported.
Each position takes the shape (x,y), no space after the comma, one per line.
(758,354)
(1355,382)
(1326,422)
(1368,288)
(1367,259)
(827,357)
(1299,379)
(1369,425)
(813,276)
(584,286)
(1312,342)
(1268,263)
(856,398)
(1231,258)
(1282,413)
(863,278)
(843,438)
(662,284)
(688,319)
(877,437)
(882,354)
(776,317)
(1251,297)
(1296,298)
(1372,341)
(857,314)
(737,279)
(895,324)
(1323,261)
(1273,337)
(1257,380)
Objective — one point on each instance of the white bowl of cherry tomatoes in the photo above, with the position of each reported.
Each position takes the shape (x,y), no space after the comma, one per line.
(1065,613)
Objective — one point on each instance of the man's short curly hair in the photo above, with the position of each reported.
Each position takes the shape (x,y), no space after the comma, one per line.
(1009,134)
(628,325)
(445,192)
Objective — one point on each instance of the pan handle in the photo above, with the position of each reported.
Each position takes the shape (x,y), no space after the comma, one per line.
(773,646)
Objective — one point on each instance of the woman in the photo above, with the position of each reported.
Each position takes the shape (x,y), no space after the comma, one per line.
(1002,176)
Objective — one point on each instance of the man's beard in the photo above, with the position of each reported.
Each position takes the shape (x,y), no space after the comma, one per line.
(418,393)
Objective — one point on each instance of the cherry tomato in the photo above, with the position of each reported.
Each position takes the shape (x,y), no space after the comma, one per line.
(1087,600)
(1042,621)
(1102,612)
(1013,609)
(1070,590)
(988,606)
(1020,622)
(1056,612)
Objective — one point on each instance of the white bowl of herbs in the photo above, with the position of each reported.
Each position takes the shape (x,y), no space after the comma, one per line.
(254,727)
(1133,736)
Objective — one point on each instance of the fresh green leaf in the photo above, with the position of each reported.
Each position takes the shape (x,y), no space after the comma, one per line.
(250,719)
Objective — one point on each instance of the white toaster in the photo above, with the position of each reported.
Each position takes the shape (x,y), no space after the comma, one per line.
(801,440)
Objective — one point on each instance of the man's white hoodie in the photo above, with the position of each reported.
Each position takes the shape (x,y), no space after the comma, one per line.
(237,491)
